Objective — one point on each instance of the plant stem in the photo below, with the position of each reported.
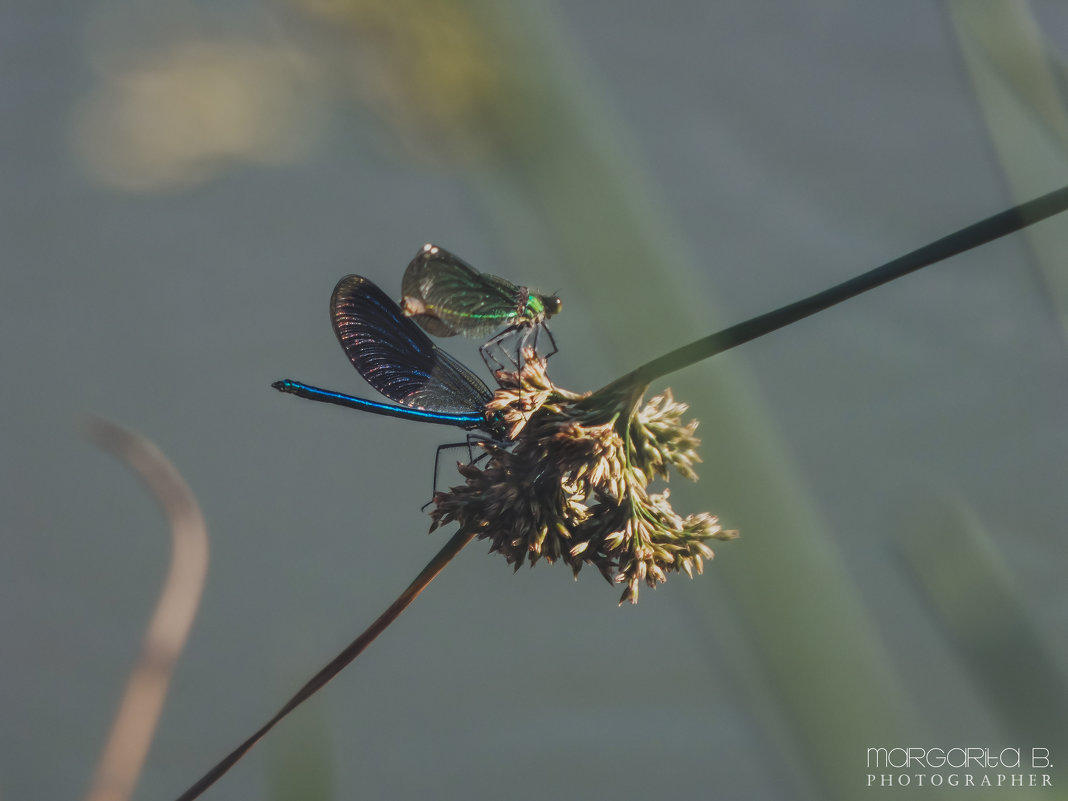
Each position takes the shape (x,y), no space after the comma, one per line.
(1006,222)
(138,713)
(354,649)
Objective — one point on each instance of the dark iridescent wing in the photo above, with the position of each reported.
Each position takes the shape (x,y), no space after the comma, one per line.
(395,356)
(448,296)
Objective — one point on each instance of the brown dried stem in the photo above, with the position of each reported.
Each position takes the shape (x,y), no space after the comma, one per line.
(139,711)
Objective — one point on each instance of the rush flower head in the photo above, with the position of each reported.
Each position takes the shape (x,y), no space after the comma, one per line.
(572,484)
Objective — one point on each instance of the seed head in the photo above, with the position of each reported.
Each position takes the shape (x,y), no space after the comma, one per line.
(572,482)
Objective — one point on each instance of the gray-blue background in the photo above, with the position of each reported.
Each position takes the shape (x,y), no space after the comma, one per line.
(765,149)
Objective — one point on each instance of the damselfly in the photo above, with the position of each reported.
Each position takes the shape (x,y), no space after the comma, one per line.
(399,360)
(447,296)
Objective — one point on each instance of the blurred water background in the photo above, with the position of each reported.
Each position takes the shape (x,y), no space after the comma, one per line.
(184,184)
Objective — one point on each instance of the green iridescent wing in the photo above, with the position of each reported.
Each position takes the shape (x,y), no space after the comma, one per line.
(447,296)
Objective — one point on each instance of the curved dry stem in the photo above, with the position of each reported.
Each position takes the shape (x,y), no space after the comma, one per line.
(354,649)
(139,711)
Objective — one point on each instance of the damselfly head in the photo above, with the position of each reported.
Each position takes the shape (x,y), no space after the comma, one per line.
(535,308)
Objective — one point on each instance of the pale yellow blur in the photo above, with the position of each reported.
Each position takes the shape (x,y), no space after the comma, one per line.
(171,119)
(178,100)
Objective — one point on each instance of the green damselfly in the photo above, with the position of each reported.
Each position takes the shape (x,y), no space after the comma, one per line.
(447,296)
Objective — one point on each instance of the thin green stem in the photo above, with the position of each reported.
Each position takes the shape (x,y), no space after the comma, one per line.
(999,225)
(354,649)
